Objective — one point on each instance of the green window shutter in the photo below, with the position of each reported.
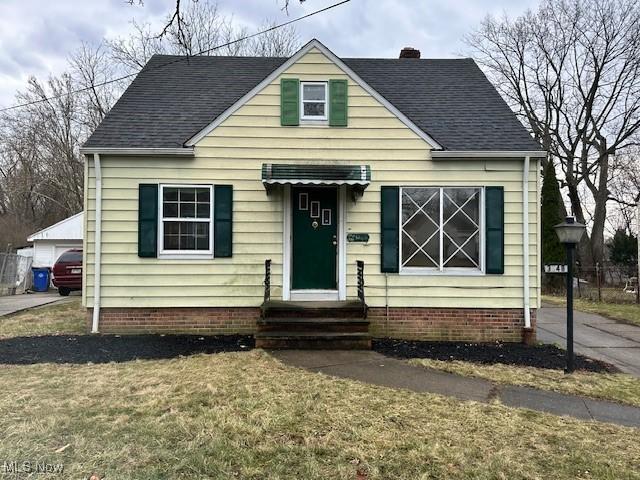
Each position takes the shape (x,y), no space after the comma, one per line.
(223,221)
(389,229)
(339,100)
(289,101)
(494,219)
(148,220)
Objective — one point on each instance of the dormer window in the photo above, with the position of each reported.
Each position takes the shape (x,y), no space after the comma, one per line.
(313,105)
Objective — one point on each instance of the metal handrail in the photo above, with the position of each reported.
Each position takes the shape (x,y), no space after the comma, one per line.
(267,280)
(360,273)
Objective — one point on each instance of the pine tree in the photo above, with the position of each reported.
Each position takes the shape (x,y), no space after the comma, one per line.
(623,251)
(551,208)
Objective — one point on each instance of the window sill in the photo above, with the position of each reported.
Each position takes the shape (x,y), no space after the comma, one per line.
(314,123)
(439,273)
(185,256)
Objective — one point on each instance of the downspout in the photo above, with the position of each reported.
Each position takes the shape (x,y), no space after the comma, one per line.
(97,245)
(525,242)
(386,303)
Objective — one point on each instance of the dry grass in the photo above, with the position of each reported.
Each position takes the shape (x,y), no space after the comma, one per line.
(626,312)
(245,415)
(617,387)
(61,318)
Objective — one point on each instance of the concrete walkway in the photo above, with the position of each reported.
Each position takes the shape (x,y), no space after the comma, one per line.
(15,303)
(594,336)
(372,367)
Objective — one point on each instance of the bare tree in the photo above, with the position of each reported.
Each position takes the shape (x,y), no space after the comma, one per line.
(91,69)
(571,70)
(280,42)
(625,190)
(41,169)
(204,30)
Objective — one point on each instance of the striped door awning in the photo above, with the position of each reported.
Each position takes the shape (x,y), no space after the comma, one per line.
(273,174)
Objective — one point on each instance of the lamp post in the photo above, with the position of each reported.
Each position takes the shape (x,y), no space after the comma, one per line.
(569,232)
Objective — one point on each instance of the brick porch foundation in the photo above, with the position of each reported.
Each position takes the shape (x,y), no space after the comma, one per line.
(436,324)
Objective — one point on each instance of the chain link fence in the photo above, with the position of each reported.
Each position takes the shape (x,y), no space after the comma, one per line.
(602,283)
(15,274)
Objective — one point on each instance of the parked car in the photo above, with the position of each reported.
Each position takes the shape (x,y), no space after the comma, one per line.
(67,272)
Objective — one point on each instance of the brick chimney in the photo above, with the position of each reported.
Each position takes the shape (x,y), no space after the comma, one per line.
(409,52)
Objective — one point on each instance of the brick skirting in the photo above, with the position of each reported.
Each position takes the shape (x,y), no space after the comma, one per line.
(452,324)
(195,320)
(437,324)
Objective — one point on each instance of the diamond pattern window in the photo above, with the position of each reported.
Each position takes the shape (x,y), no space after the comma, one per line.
(441,228)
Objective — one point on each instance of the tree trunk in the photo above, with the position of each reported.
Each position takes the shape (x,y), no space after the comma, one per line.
(600,210)
(585,254)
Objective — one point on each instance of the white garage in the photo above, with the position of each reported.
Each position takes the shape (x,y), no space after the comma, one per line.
(49,243)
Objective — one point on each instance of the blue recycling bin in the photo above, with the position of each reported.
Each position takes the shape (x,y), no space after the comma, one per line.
(40,279)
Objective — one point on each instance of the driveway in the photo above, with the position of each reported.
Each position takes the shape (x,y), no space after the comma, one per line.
(15,303)
(595,336)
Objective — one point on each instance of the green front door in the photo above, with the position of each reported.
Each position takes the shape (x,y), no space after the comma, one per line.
(314,242)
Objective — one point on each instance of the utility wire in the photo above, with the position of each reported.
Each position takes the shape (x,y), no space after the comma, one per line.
(183,58)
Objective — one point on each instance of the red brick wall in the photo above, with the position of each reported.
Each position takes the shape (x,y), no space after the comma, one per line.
(450,324)
(217,321)
(443,324)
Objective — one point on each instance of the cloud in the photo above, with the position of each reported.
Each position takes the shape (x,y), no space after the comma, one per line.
(37,36)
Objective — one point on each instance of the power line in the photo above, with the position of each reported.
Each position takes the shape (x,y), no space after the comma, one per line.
(208,50)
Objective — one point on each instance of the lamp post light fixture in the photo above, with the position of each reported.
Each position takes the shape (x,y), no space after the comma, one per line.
(569,232)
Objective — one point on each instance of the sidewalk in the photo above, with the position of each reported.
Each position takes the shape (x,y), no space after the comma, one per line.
(372,367)
(594,336)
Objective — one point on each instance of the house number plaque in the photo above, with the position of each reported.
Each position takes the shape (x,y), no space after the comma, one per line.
(357,237)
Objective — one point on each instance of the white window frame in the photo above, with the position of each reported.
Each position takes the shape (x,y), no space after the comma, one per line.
(183,254)
(441,270)
(324,117)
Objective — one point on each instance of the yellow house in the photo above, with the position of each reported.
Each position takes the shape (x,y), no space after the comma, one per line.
(313,200)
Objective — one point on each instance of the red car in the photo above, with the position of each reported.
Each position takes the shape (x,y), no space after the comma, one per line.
(67,272)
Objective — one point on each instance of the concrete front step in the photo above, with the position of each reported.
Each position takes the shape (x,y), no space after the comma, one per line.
(313,325)
(342,309)
(313,340)
(326,325)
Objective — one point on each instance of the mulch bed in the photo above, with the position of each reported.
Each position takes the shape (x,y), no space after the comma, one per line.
(539,356)
(114,348)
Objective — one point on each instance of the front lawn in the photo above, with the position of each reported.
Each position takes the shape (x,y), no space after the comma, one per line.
(245,415)
(618,387)
(626,312)
(60,318)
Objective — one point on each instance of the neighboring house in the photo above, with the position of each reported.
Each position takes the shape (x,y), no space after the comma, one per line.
(25,252)
(51,242)
(208,166)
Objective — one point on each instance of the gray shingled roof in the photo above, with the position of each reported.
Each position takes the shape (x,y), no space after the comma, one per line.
(173,98)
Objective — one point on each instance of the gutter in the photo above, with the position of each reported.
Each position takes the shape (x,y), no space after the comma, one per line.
(97,245)
(525,242)
(180,151)
(486,153)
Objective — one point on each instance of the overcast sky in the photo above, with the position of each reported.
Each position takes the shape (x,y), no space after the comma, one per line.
(36,36)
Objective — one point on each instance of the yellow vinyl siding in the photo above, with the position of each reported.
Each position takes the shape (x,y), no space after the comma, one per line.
(234,152)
